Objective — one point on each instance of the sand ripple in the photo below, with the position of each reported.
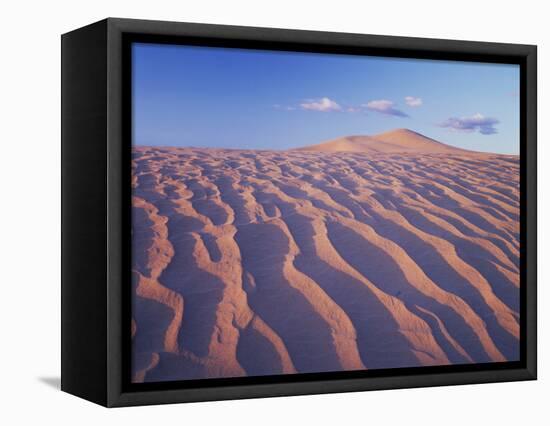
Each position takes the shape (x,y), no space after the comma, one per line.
(265,262)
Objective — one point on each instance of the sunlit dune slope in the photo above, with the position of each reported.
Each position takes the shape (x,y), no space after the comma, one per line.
(394,141)
(263,262)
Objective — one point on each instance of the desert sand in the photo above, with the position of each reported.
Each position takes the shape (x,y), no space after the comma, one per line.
(366,252)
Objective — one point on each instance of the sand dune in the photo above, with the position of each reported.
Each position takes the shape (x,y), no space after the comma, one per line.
(394,141)
(269,262)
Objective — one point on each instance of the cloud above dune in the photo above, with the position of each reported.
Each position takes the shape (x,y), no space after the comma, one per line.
(475,123)
(412,101)
(383,106)
(326,104)
(323,105)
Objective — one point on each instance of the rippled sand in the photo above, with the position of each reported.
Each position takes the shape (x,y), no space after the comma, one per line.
(269,262)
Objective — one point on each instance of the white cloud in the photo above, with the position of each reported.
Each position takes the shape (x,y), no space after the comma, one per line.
(412,101)
(383,106)
(475,123)
(324,105)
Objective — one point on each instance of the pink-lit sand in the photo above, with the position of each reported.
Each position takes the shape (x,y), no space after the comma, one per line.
(360,253)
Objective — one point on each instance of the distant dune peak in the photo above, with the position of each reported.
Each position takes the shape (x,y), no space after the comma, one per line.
(393,141)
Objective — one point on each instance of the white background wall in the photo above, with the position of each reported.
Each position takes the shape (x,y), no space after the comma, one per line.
(29,209)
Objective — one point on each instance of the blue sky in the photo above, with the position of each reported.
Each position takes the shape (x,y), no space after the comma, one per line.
(237,98)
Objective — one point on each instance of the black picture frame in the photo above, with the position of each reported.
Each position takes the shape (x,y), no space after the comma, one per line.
(96,140)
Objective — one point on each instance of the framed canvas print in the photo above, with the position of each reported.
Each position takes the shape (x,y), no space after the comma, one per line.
(252,212)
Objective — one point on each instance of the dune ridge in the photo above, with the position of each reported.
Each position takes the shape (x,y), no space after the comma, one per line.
(393,141)
(270,262)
